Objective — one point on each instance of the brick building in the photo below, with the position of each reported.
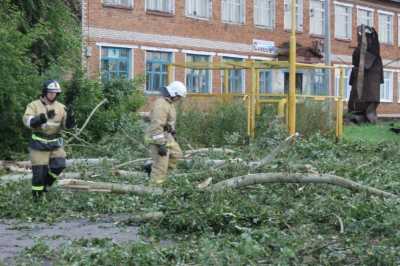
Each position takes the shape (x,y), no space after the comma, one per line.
(125,38)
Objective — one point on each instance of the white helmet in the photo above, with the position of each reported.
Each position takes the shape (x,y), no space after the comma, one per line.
(176,88)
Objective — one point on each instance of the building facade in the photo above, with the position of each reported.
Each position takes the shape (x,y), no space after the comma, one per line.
(126,38)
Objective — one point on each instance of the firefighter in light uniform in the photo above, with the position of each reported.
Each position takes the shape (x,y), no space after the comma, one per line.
(161,133)
(46,117)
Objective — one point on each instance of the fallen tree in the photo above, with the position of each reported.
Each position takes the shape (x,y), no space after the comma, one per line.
(28,176)
(267,178)
(232,183)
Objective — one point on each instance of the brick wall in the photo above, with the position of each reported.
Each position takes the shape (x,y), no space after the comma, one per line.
(135,26)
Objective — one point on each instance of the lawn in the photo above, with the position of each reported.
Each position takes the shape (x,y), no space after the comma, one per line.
(371,133)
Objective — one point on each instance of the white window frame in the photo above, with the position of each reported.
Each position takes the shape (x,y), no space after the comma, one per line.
(349,7)
(228,4)
(361,9)
(287,20)
(194,5)
(347,72)
(312,15)
(398,86)
(171,6)
(387,15)
(117,3)
(398,30)
(387,98)
(258,6)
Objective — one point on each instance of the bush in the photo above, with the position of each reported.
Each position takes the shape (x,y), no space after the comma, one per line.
(315,117)
(222,124)
(123,96)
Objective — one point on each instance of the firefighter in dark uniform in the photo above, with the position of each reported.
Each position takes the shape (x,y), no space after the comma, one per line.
(46,117)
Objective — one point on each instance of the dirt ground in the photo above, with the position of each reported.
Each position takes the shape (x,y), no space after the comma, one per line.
(16,236)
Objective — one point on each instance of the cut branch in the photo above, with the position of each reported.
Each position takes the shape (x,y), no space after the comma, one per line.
(189,153)
(88,119)
(271,156)
(265,178)
(90,186)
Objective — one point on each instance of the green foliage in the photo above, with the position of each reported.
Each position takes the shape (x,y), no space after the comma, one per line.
(223,123)
(315,117)
(123,96)
(38,40)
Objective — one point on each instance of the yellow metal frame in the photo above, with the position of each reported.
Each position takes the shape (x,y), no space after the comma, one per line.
(252,97)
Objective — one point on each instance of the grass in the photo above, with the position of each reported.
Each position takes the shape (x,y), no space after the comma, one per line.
(276,224)
(371,133)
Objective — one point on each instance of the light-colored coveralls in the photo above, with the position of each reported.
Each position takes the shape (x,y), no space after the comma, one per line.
(162,116)
(46,150)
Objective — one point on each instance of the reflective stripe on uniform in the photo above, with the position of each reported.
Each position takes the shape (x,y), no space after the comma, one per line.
(53,175)
(159,136)
(58,140)
(28,121)
(38,188)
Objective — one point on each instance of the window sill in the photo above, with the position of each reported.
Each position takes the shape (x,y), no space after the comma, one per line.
(151,93)
(261,27)
(159,13)
(118,6)
(198,18)
(387,44)
(342,40)
(233,23)
(318,36)
(386,101)
(297,31)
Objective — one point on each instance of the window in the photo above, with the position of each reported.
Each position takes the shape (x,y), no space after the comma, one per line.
(318,82)
(347,87)
(198,8)
(317,17)
(236,77)
(233,11)
(160,5)
(115,63)
(123,3)
(386,28)
(398,86)
(264,13)
(343,21)
(365,17)
(198,80)
(288,17)
(265,81)
(299,82)
(156,69)
(387,87)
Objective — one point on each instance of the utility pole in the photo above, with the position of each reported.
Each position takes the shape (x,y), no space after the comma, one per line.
(327,44)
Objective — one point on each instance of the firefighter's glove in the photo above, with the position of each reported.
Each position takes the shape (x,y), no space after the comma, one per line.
(162,150)
(70,122)
(38,120)
(173,133)
(51,114)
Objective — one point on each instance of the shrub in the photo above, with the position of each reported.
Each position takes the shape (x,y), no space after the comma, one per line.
(222,124)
